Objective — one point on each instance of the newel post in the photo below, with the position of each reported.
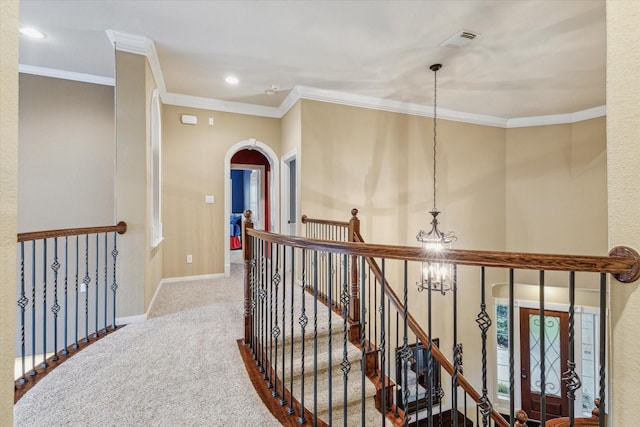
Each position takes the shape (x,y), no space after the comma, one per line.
(247,252)
(354,306)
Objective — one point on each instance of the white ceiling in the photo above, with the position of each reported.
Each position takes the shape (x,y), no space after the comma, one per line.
(532,58)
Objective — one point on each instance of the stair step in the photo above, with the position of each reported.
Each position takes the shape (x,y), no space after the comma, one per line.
(353,401)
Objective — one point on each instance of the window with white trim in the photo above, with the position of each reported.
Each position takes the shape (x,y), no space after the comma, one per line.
(155,168)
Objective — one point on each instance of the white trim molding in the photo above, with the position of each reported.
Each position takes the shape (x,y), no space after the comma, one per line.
(144,46)
(189,279)
(140,45)
(66,75)
(558,119)
(274,194)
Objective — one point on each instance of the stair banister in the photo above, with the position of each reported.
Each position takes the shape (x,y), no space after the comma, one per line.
(414,326)
(623,263)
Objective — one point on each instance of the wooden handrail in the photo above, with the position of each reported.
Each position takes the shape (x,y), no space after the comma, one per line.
(623,263)
(424,337)
(120,228)
(307,220)
(627,264)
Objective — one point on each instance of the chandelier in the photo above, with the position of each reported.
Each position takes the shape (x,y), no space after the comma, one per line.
(435,275)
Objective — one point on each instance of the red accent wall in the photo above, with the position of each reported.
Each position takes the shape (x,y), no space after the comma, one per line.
(253,157)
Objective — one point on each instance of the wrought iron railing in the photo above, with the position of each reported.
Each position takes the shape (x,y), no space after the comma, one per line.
(394,327)
(66,295)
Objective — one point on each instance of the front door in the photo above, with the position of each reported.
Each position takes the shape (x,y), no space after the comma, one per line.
(556,335)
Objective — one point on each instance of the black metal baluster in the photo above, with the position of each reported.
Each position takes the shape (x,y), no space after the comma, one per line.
(419,368)
(363,361)
(86,282)
(429,351)
(254,297)
(512,373)
(345,366)
(75,328)
(570,377)
(106,279)
(22,303)
(284,327)
(383,338)
(66,301)
(315,338)
(369,306)
(55,308)
(543,373)
(456,353)
(44,304)
(33,309)
(375,318)
(603,336)
(302,320)
(114,285)
(262,312)
(95,334)
(290,410)
(329,344)
(269,320)
(405,353)
(276,327)
(484,322)
(396,413)
(259,305)
(389,354)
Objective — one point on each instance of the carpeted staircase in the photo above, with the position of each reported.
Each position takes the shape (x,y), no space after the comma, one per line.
(328,376)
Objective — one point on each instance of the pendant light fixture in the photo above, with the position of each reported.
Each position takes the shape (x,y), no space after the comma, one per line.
(435,275)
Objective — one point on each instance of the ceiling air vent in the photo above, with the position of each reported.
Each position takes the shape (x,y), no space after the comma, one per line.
(459,39)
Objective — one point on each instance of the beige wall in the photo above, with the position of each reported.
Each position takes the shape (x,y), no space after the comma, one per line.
(623,156)
(291,139)
(381,163)
(66,131)
(8,195)
(131,181)
(556,194)
(193,166)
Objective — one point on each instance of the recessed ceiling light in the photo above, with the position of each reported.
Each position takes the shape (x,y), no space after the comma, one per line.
(32,33)
(232,80)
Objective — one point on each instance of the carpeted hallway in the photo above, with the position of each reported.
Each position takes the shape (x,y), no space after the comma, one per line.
(181,367)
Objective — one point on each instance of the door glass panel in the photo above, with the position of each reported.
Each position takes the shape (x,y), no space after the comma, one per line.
(553,373)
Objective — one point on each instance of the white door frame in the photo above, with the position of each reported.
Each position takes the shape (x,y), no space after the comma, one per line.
(274,194)
(286,160)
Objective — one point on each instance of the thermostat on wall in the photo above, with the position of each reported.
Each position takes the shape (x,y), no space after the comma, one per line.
(187,119)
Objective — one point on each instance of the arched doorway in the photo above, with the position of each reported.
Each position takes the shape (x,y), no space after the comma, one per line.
(262,165)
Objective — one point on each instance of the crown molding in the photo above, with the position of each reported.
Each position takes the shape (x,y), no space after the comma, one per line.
(373,103)
(144,46)
(66,75)
(140,45)
(558,119)
(220,105)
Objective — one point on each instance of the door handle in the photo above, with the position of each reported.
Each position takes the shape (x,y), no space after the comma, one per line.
(523,374)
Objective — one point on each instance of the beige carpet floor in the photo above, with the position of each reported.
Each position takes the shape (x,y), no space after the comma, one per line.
(179,368)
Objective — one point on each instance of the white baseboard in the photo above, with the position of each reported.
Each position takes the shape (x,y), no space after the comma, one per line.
(191,278)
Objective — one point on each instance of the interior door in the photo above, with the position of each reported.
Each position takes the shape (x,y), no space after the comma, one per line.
(556,336)
(292,202)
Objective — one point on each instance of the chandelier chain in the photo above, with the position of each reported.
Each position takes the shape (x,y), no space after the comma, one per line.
(435,103)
